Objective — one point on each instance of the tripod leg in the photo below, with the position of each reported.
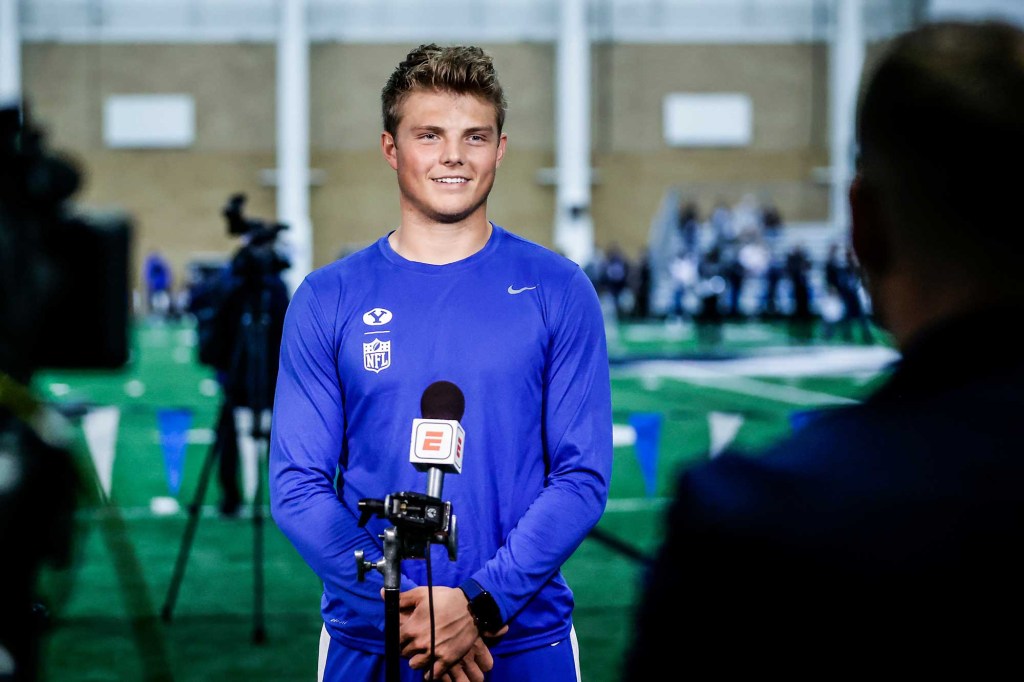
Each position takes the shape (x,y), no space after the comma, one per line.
(259,632)
(190,529)
(248,459)
(392,658)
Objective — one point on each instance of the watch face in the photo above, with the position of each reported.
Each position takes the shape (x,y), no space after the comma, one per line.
(487,613)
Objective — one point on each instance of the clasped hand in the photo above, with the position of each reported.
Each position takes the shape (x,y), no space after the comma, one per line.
(460,654)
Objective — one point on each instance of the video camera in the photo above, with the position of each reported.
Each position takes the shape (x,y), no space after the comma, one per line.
(64,303)
(64,275)
(259,256)
(249,290)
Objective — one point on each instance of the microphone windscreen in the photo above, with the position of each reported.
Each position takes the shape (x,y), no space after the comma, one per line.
(442,400)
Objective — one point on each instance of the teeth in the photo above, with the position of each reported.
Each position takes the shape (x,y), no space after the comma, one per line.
(450,181)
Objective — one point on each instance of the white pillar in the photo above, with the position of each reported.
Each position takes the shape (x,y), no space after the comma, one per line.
(10,54)
(293,140)
(574,227)
(847,61)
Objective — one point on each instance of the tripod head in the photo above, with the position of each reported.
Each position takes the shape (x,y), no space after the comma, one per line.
(418,521)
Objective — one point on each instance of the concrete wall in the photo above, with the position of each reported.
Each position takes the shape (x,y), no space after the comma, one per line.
(176,196)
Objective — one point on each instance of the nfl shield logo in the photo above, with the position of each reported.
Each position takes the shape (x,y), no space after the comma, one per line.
(376,355)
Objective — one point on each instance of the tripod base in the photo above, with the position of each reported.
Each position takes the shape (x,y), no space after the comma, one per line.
(261,438)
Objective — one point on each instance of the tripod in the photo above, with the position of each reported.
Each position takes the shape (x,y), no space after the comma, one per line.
(250,369)
(418,521)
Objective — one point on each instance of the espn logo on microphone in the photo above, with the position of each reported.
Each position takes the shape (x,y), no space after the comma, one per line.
(437,443)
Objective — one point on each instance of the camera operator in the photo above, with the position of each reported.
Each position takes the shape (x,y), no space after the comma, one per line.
(58,271)
(241,348)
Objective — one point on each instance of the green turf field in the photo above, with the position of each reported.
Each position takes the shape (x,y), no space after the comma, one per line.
(742,385)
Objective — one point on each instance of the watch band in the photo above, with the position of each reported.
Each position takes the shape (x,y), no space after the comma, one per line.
(482,606)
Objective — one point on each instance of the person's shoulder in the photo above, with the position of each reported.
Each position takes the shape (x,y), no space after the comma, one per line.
(345,266)
(828,445)
(518,246)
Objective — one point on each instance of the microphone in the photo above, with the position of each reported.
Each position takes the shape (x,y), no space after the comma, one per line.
(438,438)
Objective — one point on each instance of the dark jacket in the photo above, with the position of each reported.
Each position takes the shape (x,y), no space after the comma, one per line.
(879,537)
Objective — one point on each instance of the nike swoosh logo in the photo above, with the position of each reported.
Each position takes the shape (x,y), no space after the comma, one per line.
(519,291)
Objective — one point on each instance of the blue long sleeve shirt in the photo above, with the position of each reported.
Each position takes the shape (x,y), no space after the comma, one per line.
(518,328)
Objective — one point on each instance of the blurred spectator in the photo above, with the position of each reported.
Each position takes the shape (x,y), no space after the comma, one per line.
(594,268)
(689,226)
(746,217)
(775,270)
(683,271)
(640,283)
(771,225)
(831,302)
(798,272)
(614,280)
(157,273)
(753,255)
(851,293)
(735,274)
(711,286)
(723,231)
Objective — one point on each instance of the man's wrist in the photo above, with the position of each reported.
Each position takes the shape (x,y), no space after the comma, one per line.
(482,607)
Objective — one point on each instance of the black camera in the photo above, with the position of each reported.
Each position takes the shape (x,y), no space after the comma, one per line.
(257,231)
(259,256)
(64,274)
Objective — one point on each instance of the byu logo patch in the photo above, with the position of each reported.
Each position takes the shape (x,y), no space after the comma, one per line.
(376,355)
(377,317)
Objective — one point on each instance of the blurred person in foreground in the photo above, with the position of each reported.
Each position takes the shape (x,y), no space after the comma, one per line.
(885,536)
(446,296)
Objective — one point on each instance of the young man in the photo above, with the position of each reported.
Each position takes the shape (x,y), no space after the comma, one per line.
(446,296)
(882,539)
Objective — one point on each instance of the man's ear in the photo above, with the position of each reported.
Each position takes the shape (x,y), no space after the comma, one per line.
(502,142)
(869,227)
(389,149)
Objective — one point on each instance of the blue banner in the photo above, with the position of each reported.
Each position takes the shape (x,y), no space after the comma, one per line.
(174,425)
(648,434)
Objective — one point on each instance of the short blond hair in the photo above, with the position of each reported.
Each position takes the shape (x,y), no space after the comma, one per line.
(464,70)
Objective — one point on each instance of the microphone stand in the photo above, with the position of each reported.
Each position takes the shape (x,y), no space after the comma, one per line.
(418,521)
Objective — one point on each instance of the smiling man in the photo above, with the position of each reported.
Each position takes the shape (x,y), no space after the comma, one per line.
(512,328)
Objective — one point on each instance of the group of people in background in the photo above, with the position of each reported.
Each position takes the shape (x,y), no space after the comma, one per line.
(735,264)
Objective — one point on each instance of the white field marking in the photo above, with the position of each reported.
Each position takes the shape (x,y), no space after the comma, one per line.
(164,506)
(676,330)
(59,389)
(636,504)
(650,382)
(623,435)
(195,436)
(735,375)
(182,355)
(135,388)
(209,387)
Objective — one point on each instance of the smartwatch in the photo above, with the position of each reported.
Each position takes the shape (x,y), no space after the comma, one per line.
(482,606)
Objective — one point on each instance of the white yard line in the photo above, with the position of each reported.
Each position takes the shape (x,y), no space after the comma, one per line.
(636,504)
(737,375)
